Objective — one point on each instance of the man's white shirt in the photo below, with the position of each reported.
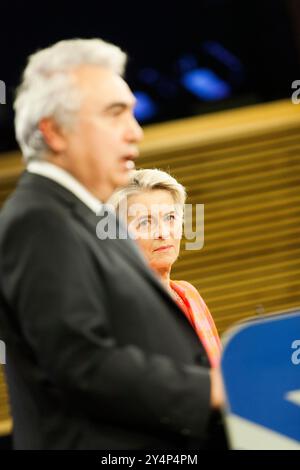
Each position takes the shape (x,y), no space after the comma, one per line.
(65,179)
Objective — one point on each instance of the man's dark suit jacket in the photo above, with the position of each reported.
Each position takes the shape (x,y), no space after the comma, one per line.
(98,354)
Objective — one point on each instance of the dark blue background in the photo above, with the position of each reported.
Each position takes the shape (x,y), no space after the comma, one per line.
(249,46)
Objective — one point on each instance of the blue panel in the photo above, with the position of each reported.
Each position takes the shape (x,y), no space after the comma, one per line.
(259,369)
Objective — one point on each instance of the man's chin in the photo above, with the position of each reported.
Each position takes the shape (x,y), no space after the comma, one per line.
(123,180)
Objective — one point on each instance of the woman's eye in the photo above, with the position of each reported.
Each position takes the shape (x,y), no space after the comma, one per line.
(170,217)
(143,223)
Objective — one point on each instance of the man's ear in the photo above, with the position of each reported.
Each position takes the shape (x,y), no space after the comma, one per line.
(53,135)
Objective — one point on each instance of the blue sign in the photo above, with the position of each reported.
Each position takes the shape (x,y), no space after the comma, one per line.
(261,373)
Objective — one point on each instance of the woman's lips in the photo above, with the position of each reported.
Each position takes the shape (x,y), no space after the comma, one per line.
(164,248)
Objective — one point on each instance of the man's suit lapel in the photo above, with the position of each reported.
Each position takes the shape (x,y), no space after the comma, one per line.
(125,245)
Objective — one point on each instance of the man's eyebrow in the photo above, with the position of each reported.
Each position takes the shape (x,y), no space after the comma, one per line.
(119,105)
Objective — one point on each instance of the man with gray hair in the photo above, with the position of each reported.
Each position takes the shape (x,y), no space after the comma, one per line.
(98,354)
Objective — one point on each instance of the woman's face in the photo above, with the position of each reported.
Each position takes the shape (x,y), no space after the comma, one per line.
(156,226)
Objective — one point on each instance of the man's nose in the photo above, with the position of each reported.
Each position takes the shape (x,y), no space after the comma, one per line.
(134,133)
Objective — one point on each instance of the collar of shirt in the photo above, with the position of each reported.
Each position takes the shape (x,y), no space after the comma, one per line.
(66,180)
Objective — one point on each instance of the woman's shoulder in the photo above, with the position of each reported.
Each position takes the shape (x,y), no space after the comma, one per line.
(185,284)
(192,293)
(188,287)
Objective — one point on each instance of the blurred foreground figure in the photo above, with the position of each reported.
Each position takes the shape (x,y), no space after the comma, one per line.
(99,356)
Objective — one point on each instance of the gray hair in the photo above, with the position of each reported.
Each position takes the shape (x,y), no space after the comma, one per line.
(47,87)
(148,180)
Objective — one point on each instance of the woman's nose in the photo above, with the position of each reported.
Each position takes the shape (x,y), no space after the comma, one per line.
(162,231)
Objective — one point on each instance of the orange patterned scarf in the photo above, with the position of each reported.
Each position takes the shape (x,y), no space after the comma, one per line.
(200,318)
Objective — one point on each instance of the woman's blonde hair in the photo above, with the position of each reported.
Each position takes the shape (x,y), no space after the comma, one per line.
(148,180)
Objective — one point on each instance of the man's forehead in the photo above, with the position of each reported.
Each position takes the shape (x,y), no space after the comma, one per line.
(92,71)
(102,81)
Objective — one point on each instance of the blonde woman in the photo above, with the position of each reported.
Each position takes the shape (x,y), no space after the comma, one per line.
(152,204)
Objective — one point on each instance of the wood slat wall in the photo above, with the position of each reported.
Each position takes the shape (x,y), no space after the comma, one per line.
(244,166)
(5,420)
